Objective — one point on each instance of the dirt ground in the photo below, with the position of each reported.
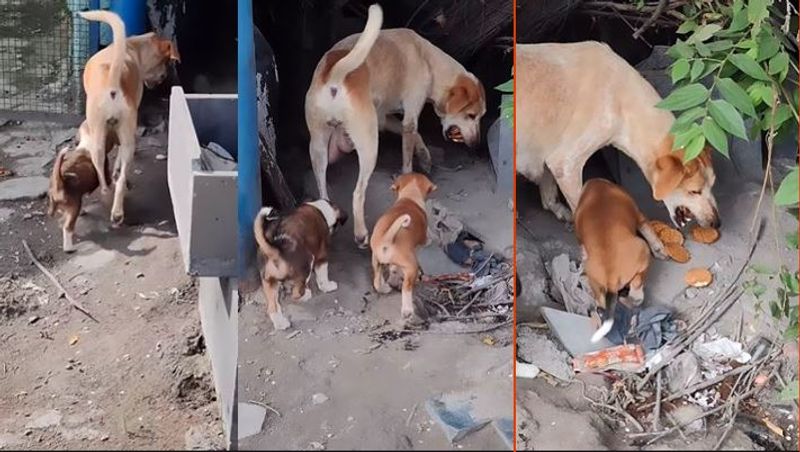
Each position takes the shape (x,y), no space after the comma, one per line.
(556,415)
(376,396)
(136,379)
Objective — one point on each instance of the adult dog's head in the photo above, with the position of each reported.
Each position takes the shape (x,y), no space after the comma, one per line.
(155,55)
(461,110)
(685,188)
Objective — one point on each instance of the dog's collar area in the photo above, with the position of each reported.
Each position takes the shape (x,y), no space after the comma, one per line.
(325,208)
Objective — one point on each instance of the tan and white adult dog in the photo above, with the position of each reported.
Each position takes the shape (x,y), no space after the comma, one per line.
(114,80)
(366,78)
(573,99)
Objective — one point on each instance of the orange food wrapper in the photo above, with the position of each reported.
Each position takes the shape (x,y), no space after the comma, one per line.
(628,357)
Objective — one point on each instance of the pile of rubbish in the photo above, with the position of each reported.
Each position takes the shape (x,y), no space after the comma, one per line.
(662,376)
(482,293)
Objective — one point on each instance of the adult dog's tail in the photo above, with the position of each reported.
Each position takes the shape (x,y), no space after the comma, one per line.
(360,51)
(269,250)
(118,45)
(606,317)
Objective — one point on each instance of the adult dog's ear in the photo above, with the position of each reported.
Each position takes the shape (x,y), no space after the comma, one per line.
(668,175)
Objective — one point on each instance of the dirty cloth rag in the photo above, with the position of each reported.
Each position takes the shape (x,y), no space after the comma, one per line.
(655,326)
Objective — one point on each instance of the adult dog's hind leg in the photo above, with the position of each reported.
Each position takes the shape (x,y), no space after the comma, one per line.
(318,151)
(363,128)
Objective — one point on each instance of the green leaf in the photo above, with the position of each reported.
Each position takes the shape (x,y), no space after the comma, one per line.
(704,32)
(779,63)
(789,281)
(727,117)
(687,27)
(685,97)
(791,334)
(694,148)
(782,114)
(768,46)
(761,269)
(702,49)
(761,92)
(757,11)
(507,87)
(787,194)
(715,135)
(790,392)
(680,50)
(733,93)
(746,44)
(710,67)
(775,309)
(720,46)
(682,139)
(758,289)
(679,70)
(792,240)
(749,66)
(686,118)
(697,69)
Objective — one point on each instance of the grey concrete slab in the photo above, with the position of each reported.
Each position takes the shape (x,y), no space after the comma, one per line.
(18,188)
(574,331)
(250,419)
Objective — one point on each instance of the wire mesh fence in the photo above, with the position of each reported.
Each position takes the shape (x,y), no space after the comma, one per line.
(44,45)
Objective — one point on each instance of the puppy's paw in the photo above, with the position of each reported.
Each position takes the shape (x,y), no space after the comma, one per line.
(328,286)
(279,321)
(659,252)
(407,314)
(383,288)
(424,160)
(306,295)
(68,249)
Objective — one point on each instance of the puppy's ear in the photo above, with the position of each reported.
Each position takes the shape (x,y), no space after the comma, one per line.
(69,176)
(667,177)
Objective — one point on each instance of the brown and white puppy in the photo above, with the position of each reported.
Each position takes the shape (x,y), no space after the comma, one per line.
(615,257)
(114,80)
(73,176)
(363,80)
(293,246)
(397,235)
(573,99)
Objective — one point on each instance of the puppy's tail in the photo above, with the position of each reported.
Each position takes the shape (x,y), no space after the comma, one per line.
(606,318)
(360,51)
(400,222)
(57,182)
(264,244)
(118,45)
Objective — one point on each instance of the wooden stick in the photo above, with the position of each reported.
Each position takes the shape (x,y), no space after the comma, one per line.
(53,279)
(657,410)
(662,4)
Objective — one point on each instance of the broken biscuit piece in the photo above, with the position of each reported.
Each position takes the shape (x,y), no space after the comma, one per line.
(669,235)
(698,277)
(704,235)
(677,252)
(658,226)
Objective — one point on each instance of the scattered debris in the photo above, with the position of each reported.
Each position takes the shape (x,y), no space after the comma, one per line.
(52,278)
(525,370)
(536,348)
(319,398)
(293,334)
(161,157)
(455,417)
(625,358)
(73,339)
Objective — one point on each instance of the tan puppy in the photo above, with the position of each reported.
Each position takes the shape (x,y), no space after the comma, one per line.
(366,78)
(114,80)
(397,235)
(614,256)
(574,99)
(293,246)
(73,176)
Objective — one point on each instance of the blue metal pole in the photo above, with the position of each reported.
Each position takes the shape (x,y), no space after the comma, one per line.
(94,30)
(249,190)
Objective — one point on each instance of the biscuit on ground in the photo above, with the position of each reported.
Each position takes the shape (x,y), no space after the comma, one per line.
(698,277)
(704,235)
(657,226)
(669,235)
(677,252)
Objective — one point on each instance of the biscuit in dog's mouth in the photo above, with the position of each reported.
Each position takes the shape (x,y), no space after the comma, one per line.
(454,134)
(683,216)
